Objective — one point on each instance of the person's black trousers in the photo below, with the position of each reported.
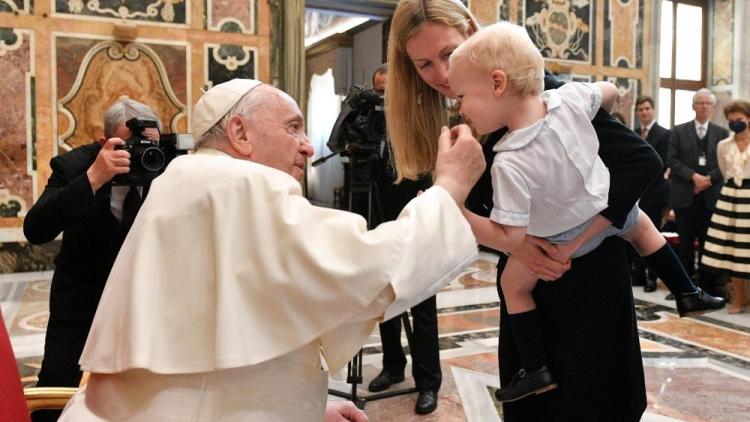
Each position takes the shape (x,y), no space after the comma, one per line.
(692,223)
(425,348)
(591,339)
(63,345)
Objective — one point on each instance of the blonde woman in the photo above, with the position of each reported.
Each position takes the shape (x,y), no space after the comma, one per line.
(589,326)
(727,244)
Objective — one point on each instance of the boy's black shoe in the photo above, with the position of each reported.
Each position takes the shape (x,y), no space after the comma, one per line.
(696,303)
(525,384)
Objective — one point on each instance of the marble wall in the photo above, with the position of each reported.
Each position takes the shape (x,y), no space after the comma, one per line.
(722,52)
(585,39)
(65,61)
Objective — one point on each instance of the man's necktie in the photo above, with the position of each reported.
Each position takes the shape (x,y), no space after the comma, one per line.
(130,208)
(644,132)
(701,132)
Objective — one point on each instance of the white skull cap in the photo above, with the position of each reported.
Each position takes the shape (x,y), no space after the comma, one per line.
(217,101)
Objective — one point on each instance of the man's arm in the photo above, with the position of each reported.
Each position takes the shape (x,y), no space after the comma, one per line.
(61,200)
(679,169)
(65,196)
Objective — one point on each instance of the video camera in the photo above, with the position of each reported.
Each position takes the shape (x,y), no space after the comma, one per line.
(149,158)
(361,123)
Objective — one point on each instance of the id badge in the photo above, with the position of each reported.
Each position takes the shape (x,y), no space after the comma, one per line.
(702,160)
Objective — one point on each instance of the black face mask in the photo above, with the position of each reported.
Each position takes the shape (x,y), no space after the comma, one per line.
(738,126)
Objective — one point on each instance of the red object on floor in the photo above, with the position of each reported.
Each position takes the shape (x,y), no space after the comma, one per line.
(674,240)
(12,402)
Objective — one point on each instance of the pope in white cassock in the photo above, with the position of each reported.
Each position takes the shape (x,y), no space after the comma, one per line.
(232,291)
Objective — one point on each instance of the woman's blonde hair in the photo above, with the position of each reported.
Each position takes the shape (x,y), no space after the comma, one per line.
(507,47)
(414,128)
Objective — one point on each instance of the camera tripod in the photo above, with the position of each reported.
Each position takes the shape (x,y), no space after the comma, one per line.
(360,185)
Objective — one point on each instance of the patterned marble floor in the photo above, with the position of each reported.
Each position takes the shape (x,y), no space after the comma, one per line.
(697,369)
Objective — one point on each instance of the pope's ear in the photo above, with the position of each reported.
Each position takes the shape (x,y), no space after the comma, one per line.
(237,134)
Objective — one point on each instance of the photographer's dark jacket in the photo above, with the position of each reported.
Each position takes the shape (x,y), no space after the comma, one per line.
(91,234)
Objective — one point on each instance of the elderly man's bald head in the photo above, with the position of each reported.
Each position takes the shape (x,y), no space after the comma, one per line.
(265,126)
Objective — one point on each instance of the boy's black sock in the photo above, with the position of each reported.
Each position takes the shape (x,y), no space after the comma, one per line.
(668,267)
(527,331)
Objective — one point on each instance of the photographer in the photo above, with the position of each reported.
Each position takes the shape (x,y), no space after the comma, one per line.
(94,217)
(425,349)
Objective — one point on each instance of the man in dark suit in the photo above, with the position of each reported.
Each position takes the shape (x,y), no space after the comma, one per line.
(655,200)
(94,216)
(695,180)
(424,348)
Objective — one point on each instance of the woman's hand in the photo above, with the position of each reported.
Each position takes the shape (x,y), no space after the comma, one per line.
(535,253)
(564,252)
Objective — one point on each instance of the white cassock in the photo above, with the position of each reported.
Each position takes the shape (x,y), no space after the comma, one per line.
(231,285)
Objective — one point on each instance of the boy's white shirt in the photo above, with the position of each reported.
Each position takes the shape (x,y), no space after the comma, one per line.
(548,176)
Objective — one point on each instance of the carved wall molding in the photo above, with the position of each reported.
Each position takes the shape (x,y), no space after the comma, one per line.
(234,16)
(113,51)
(152,12)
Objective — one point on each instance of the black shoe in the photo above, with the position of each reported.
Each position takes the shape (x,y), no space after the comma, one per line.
(650,286)
(525,384)
(426,402)
(384,380)
(696,303)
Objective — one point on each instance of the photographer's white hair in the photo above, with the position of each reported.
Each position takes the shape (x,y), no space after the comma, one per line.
(508,47)
(123,110)
(704,92)
(245,107)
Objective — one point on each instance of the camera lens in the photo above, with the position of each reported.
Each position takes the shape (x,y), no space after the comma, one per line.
(153,159)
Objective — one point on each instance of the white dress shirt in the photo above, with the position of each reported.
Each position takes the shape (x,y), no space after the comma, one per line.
(699,125)
(548,176)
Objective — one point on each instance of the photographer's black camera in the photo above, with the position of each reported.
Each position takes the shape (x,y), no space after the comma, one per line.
(149,158)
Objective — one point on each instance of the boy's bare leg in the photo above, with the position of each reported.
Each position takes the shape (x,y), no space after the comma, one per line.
(517,282)
(644,237)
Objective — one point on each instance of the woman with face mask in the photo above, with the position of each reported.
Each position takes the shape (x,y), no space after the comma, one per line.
(591,338)
(727,241)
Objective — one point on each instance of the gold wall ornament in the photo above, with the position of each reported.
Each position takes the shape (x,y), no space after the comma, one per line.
(559,32)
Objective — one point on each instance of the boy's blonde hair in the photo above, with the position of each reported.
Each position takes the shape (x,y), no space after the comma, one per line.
(507,47)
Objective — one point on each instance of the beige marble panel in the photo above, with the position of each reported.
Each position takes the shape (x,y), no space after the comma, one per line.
(701,334)
(16,120)
(623,18)
(722,40)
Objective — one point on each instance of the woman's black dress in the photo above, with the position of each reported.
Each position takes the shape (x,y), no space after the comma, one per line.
(588,316)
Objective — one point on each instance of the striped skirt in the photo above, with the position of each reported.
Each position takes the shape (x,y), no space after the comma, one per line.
(727,244)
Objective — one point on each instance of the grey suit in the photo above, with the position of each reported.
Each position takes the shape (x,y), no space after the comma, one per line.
(683,160)
(693,211)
